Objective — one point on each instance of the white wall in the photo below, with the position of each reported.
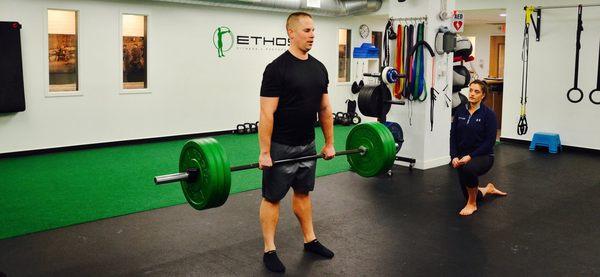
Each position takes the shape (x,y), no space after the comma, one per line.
(430,148)
(191,89)
(482,34)
(551,69)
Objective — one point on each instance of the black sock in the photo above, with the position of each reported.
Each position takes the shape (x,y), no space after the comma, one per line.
(316,247)
(272,262)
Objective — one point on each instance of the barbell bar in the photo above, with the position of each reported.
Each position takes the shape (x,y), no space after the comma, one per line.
(205,173)
(190,175)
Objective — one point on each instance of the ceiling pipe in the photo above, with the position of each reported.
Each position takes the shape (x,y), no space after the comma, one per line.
(332,8)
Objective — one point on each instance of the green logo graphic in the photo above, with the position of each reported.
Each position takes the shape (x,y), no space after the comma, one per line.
(223,40)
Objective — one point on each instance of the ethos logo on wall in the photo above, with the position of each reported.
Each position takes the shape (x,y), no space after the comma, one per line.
(224,40)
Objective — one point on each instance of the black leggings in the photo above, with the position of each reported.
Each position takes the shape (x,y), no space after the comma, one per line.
(468,174)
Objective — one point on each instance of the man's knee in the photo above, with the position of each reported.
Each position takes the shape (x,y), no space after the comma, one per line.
(301,201)
(301,194)
(270,202)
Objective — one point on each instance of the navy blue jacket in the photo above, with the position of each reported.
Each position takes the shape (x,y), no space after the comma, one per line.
(473,135)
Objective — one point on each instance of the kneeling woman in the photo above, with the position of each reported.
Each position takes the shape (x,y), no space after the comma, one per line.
(472,139)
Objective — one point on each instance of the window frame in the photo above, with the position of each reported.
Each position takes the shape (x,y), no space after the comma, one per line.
(147,89)
(349,55)
(46,62)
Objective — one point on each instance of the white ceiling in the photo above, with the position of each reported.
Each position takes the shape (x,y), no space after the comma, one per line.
(491,16)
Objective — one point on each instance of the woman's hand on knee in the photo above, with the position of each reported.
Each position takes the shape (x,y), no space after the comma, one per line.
(464,160)
(455,163)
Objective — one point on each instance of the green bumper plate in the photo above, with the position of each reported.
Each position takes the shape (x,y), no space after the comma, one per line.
(381,149)
(211,188)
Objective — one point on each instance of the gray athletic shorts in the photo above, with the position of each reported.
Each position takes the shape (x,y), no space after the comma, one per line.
(300,176)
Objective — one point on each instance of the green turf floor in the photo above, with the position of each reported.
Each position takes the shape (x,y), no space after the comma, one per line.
(49,191)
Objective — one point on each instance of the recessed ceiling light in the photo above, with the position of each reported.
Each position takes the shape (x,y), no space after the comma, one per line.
(503,14)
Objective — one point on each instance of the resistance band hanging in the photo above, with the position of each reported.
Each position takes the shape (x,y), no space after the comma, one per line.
(432,97)
(414,66)
(522,125)
(419,93)
(419,47)
(597,89)
(399,86)
(577,48)
(408,84)
(389,34)
(408,62)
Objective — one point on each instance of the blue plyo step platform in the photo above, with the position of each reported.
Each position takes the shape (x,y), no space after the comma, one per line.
(550,140)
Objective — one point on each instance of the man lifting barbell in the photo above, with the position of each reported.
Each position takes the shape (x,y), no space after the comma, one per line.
(289,105)
(293,92)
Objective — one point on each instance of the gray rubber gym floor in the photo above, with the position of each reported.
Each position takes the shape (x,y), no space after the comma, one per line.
(404,225)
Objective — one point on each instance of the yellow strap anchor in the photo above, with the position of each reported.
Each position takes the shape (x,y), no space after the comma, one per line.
(528,12)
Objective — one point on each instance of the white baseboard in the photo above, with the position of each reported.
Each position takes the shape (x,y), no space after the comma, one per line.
(436,162)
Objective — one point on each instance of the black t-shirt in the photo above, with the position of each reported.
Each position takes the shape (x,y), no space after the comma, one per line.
(300,85)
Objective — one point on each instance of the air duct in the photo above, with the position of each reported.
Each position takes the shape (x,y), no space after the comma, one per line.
(332,8)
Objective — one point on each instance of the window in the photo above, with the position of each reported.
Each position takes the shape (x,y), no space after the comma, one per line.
(135,61)
(62,51)
(344,55)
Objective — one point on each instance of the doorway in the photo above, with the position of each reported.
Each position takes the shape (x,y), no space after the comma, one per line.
(495,79)
(486,28)
(377,40)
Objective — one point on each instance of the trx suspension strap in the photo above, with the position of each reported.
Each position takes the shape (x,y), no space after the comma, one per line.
(399,86)
(597,89)
(522,125)
(577,47)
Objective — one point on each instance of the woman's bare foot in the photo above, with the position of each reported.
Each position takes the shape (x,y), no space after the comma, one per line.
(469,209)
(490,189)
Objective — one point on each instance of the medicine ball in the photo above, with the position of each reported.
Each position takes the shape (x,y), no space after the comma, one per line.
(461,78)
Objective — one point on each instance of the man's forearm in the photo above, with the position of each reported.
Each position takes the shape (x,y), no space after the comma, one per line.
(265,130)
(326,119)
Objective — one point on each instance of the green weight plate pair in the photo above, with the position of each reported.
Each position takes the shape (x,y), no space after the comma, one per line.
(224,172)
(381,149)
(211,188)
(389,145)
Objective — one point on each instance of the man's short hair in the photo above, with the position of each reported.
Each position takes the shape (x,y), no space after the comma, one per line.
(295,16)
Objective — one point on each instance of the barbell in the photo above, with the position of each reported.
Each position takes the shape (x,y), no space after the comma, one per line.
(205,172)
